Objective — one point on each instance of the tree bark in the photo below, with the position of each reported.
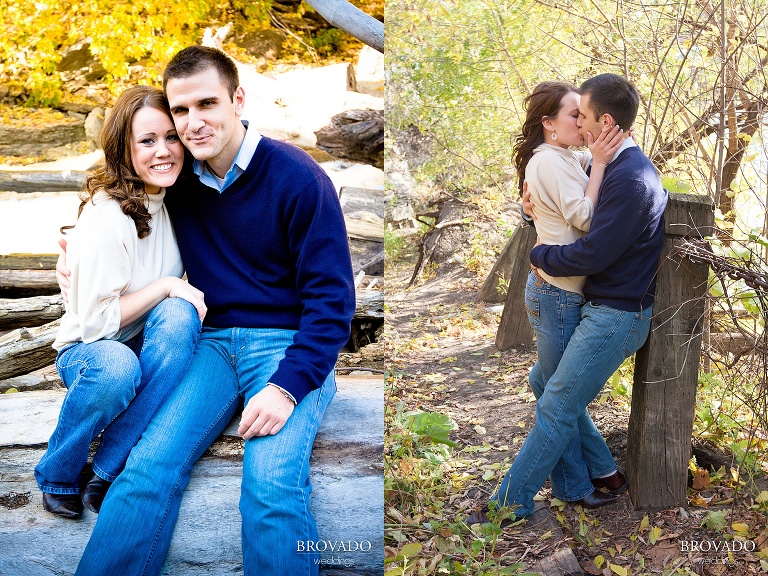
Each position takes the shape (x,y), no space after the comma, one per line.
(18,312)
(356,135)
(39,181)
(369,305)
(352,20)
(23,350)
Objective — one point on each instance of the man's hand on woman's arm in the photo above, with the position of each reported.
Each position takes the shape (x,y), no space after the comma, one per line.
(527,208)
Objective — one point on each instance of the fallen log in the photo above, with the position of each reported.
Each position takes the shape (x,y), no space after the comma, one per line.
(43,379)
(369,305)
(29,279)
(35,311)
(28,261)
(363,210)
(25,350)
(29,181)
(355,135)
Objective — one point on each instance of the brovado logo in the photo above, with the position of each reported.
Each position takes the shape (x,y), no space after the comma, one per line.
(716,546)
(309,546)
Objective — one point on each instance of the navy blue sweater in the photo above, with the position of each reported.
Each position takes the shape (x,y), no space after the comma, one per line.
(271,251)
(620,255)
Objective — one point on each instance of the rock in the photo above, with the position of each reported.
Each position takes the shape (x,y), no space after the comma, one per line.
(76,57)
(370,72)
(77,107)
(93,125)
(30,141)
(262,43)
(347,497)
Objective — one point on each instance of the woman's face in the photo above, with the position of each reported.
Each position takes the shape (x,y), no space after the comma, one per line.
(156,150)
(565,123)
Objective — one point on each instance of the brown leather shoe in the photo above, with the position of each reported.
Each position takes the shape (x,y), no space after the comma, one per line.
(597,499)
(64,505)
(480,516)
(94,492)
(614,484)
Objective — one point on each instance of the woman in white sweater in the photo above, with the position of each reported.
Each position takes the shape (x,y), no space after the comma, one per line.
(564,197)
(131,323)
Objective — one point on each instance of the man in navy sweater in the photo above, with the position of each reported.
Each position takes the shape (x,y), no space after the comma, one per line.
(261,233)
(620,257)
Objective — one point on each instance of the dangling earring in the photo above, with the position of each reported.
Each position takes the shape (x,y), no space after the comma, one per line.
(554,135)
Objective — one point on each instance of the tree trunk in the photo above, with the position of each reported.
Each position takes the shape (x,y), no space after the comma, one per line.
(356,135)
(352,20)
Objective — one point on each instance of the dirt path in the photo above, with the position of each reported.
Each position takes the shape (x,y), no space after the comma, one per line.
(442,342)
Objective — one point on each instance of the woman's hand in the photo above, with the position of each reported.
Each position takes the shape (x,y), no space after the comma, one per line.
(607,143)
(178,288)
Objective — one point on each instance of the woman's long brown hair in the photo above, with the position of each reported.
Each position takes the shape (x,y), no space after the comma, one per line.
(545,100)
(117,177)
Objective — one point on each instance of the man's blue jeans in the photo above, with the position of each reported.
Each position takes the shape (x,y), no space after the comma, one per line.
(602,340)
(116,387)
(134,528)
(554,315)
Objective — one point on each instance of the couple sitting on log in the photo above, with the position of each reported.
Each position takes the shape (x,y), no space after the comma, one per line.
(161,365)
(589,294)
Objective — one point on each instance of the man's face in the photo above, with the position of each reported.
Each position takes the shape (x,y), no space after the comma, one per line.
(587,121)
(206,118)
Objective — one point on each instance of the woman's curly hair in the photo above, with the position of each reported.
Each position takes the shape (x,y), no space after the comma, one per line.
(545,100)
(117,176)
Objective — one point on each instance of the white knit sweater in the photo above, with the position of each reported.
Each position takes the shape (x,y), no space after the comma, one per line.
(557,179)
(107,259)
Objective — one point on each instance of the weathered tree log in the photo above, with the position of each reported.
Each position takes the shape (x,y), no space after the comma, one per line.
(32,279)
(46,378)
(363,210)
(25,350)
(352,20)
(27,283)
(356,135)
(369,305)
(514,328)
(666,367)
(373,266)
(18,312)
(28,261)
(490,291)
(29,181)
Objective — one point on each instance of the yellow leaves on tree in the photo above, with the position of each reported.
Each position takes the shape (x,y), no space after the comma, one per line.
(36,32)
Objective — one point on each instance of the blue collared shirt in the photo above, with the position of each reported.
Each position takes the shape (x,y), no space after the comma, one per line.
(243,158)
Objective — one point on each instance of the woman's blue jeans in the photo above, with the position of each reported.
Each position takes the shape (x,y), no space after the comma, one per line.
(136,522)
(604,338)
(115,387)
(554,315)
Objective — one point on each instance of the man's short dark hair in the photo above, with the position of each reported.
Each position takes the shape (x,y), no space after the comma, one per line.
(195,59)
(612,94)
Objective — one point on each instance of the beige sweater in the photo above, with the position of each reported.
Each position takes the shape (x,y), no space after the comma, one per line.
(107,259)
(557,179)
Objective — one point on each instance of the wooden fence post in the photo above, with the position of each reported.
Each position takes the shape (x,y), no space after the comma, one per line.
(513,265)
(667,366)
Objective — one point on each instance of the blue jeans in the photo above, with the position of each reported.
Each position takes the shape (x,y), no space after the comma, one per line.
(554,315)
(115,387)
(602,340)
(134,528)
